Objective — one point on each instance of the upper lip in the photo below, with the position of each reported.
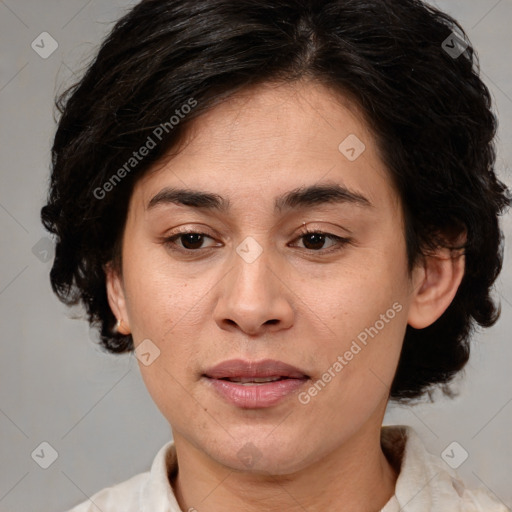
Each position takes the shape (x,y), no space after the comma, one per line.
(257,369)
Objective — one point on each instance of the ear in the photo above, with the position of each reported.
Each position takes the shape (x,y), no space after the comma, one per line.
(435,281)
(116,297)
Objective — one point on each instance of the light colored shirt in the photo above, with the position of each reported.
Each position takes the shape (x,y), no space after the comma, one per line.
(425,483)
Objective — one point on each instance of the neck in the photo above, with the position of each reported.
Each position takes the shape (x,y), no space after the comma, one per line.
(356,474)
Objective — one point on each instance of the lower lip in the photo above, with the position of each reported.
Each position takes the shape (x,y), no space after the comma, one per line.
(256,396)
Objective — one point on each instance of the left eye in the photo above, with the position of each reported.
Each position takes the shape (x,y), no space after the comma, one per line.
(316,239)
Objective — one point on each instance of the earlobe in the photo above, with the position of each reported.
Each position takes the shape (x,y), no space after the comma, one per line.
(116,298)
(435,284)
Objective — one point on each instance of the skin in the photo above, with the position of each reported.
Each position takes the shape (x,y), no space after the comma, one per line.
(291,304)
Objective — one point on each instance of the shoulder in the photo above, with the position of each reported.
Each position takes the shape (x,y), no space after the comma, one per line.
(478,500)
(426,482)
(123,497)
(145,492)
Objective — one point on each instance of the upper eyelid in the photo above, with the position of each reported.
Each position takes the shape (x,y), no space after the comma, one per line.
(302,232)
(303,228)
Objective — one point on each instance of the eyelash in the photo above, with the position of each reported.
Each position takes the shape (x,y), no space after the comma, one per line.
(170,242)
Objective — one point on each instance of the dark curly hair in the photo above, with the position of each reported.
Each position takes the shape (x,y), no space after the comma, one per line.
(400,61)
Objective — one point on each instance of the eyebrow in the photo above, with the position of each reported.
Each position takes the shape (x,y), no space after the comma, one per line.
(301,197)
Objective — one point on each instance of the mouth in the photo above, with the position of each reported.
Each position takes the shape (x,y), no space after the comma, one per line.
(268,370)
(247,381)
(255,384)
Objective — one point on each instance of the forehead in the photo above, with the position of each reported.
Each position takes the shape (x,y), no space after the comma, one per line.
(268,140)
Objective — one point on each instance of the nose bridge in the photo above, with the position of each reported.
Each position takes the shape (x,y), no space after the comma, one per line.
(253,295)
(252,272)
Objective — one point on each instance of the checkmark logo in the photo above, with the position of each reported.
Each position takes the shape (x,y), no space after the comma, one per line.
(454,45)
(45,455)
(352,147)
(147,352)
(454,455)
(44,45)
(249,249)
(44,249)
(249,454)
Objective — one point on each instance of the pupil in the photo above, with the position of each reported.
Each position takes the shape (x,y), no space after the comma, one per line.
(194,239)
(318,240)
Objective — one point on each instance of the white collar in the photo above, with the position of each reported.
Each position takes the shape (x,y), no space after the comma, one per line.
(425,482)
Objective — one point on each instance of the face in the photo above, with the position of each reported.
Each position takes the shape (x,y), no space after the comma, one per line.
(234,280)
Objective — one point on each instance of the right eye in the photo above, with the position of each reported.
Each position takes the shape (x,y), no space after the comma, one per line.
(191,241)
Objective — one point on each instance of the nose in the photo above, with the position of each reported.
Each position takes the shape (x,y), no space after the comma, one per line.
(254,297)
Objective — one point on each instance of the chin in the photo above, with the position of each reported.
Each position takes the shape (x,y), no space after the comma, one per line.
(260,453)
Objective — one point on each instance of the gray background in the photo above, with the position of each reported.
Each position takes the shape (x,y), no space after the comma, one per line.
(93,409)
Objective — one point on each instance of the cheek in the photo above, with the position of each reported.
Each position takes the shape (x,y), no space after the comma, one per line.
(367,314)
(160,298)
(359,295)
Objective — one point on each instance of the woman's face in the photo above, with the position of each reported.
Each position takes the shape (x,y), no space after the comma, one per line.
(250,288)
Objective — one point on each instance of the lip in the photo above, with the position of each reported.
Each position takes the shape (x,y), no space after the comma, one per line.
(255,396)
(258,369)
